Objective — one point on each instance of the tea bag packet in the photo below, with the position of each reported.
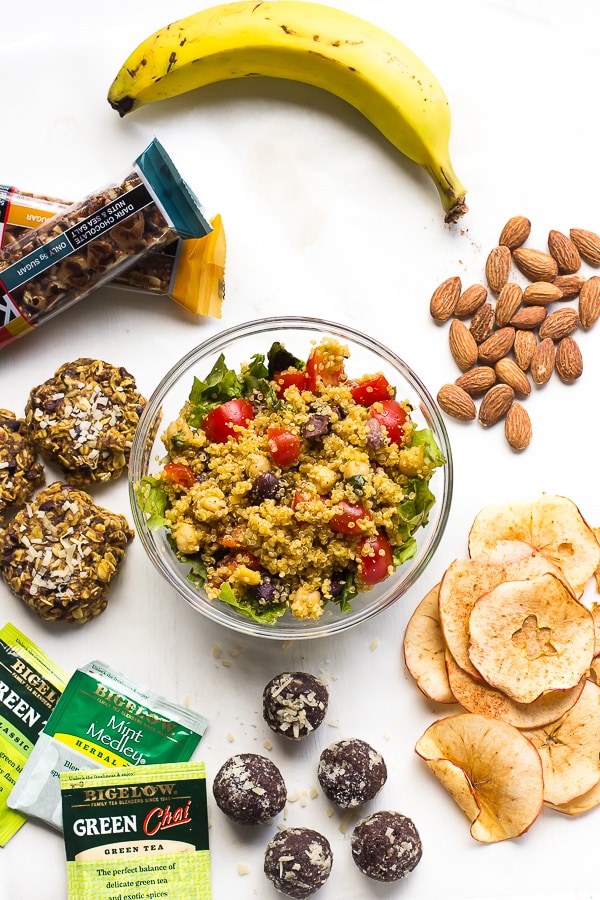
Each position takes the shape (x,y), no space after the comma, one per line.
(91,242)
(30,686)
(137,832)
(191,272)
(103,720)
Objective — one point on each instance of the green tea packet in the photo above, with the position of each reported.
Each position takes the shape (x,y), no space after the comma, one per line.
(30,687)
(137,833)
(103,720)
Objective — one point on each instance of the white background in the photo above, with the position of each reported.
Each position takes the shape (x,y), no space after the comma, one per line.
(323,217)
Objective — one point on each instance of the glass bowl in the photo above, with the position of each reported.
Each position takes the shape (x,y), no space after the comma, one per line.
(239,344)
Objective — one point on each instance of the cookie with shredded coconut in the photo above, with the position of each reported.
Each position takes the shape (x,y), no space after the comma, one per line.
(20,472)
(61,552)
(84,418)
(294,704)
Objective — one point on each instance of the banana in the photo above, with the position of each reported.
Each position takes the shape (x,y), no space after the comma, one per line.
(307,42)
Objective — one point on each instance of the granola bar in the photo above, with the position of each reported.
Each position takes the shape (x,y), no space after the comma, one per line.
(61,552)
(84,419)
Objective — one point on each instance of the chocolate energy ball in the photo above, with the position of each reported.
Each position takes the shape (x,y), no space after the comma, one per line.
(294,704)
(250,789)
(84,418)
(351,772)
(20,473)
(298,861)
(61,552)
(386,846)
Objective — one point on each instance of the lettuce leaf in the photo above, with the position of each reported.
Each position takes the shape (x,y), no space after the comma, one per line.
(153,501)
(268,616)
(220,385)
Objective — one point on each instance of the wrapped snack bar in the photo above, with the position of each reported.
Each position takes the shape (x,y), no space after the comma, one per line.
(191,272)
(93,241)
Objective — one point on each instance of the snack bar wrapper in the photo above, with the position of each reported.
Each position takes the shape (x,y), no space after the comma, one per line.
(58,263)
(190,272)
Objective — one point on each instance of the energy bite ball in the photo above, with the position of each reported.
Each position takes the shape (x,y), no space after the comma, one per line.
(298,861)
(386,846)
(20,473)
(61,552)
(84,419)
(294,704)
(250,789)
(351,772)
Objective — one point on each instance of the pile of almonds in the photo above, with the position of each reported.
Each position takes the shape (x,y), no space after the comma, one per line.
(517,338)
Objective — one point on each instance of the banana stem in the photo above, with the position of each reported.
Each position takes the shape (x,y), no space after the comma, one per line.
(451,191)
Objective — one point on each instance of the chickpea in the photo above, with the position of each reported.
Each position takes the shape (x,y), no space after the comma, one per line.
(257,465)
(178,434)
(356,467)
(323,478)
(185,538)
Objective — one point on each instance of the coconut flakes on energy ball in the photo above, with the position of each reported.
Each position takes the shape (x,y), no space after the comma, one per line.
(294,704)
(84,419)
(61,552)
(20,473)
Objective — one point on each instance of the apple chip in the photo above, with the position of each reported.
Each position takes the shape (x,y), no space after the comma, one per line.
(425,650)
(465,581)
(569,749)
(553,524)
(580,804)
(492,772)
(531,637)
(479,697)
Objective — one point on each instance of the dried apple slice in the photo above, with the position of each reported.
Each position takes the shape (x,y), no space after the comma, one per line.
(490,769)
(479,697)
(465,581)
(568,749)
(531,637)
(581,804)
(425,650)
(553,524)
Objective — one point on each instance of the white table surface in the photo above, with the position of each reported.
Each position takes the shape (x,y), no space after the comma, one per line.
(323,217)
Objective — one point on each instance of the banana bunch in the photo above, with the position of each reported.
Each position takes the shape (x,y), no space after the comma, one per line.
(307,42)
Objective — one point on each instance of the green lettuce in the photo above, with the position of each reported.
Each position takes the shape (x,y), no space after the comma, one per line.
(153,501)
(268,615)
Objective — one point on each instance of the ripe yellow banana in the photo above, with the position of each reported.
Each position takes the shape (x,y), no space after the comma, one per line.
(302,41)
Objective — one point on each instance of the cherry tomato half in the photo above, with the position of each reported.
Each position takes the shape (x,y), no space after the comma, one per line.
(180,474)
(392,416)
(220,421)
(284,446)
(284,380)
(372,389)
(319,372)
(347,517)
(375,565)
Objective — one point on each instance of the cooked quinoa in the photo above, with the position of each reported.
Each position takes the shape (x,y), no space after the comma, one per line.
(309,499)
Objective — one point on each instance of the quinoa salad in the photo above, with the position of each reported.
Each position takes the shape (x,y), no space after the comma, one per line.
(290,485)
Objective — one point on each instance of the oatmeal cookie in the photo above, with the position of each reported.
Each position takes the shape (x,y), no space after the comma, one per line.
(20,473)
(84,419)
(61,552)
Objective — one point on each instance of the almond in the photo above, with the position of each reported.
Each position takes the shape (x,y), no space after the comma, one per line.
(482,322)
(589,302)
(517,427)
(508,372)
(470,300)
(588,244)
(559,324)
(497,345)
(476,381)
(529,317)
(569,362)
(509,301)
(515,232)
(570,285)
(542,362)
(497,268)
(535,264)
(444,299)
(523,348)
(495,404)
(463,345)
(564,252)
(456,402)
(540,293)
